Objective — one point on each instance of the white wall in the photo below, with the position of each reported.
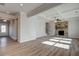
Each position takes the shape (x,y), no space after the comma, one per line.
(39,26)
(24,28)
(73,28)
(31,28)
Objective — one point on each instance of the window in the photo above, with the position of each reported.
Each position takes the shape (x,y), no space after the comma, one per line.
(3,28)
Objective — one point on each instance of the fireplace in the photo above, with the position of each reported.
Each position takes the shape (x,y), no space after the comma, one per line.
(61,33)
(61,28)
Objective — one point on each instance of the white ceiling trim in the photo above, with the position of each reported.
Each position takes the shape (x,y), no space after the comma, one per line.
(6,16)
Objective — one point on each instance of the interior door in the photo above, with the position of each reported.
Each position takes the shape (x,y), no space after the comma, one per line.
(3,29)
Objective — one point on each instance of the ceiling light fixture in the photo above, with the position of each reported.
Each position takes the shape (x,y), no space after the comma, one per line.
(56,19)
(21,4)
(4,20)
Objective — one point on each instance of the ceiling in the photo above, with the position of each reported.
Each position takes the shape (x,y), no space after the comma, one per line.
(42,8)
(64,11)
(15,7)
(11,10)
(47,11)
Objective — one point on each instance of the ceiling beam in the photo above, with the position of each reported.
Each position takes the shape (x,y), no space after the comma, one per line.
(42,8)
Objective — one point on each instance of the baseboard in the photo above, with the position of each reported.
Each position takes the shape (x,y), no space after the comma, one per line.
(26,40)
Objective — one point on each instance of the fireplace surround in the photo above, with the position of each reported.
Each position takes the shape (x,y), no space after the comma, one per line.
(61,28)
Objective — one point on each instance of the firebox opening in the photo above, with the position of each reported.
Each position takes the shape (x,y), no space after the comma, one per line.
(61,33)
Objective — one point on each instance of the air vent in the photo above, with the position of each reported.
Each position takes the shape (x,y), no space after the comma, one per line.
(2,4)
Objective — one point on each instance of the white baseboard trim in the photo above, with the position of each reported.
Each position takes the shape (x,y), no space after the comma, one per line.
(22,41)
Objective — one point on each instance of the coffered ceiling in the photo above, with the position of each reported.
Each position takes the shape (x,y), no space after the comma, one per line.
(64,11)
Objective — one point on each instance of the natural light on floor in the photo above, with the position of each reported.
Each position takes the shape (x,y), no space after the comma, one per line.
(54,40)
(62,41)
(62,45)
(48,43)
(59,42)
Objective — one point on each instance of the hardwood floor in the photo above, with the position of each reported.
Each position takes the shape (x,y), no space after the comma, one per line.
(45,46)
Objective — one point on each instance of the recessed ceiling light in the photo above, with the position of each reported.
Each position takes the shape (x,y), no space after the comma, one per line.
(21,4)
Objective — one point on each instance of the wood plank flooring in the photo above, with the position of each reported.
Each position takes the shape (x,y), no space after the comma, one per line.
(37,47)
